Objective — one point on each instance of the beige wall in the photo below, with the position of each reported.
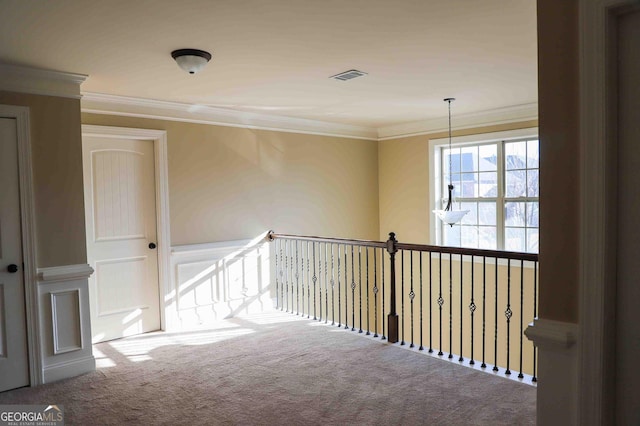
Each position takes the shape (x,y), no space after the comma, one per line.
(559,155)
(229,183)
(57,177)
(404,183)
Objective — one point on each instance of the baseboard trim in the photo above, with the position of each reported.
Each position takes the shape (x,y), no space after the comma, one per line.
(68,369)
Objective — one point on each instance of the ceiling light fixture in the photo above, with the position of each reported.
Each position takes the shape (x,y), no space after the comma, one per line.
(191,60)
(448,215)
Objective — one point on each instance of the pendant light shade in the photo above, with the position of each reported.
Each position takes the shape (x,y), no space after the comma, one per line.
(448,215)
(191,60)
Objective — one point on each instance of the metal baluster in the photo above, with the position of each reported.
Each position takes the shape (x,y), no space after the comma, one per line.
(326,286)
(333,284)
(535,314)
(472,307)
(461,325)
(402,297)
(305,278)
(421,348)
(366,252)
(375,292)
(412,294)
(308,282)
(360,286)
(286,273)
(520,376)
(353,293)
(320,277)
(382,271)
(495,339)
(275,249)
(314,279)
(507,314)
(430,305)
(290,271)
(484,308)
(440,303)
(450,306)
(339,298)
(297,281)
(346,293)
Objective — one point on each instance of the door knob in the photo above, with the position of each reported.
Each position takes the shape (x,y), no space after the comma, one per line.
(152,245)
(12,268)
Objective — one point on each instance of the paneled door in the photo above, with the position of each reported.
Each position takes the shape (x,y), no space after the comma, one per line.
(120,210)
(14,368)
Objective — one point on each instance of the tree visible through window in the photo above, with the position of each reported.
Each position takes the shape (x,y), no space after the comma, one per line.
(498,183)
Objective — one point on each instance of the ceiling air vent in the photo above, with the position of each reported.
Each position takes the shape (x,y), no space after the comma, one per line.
(348,75)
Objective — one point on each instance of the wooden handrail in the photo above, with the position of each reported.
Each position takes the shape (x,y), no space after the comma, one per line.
(364,243)
(500,254)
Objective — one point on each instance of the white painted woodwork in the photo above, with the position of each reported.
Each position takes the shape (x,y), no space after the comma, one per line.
(557,371)
(628,211)
(598,210)
(120,208)
(65,335)
(219,280)
(38,81)
(14,369)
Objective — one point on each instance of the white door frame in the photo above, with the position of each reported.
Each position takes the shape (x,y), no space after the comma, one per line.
(27,221)
(159,138)
(597,209)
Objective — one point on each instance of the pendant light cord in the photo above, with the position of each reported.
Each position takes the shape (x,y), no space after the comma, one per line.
(448,207)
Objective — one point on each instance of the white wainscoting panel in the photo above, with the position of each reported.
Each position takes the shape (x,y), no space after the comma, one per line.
(65,320)
(220,280)
(65,327)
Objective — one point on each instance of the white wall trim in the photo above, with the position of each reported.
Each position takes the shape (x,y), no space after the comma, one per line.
(189,250)
(36,81)
(99,103)
(25,169)
(551,334)
(597,233)
(70,368)
(506,135)
(507,115)
(557,371)
(159,138)
(64,273)
(57,347)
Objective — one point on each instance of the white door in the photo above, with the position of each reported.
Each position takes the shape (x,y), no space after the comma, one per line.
(14,369)
(120,211)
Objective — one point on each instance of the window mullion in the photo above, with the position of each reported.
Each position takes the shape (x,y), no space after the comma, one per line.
(500,231)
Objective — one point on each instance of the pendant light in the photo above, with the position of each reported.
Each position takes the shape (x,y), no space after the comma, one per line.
(448,215)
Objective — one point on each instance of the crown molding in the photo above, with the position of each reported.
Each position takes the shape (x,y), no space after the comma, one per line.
(512,114)
(100,103)
(35,81)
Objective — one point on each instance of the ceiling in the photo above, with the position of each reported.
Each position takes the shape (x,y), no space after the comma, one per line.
(276,57)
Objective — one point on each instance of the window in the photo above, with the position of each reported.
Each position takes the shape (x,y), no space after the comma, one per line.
(497,181)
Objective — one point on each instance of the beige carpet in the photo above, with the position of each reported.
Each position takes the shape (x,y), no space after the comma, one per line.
(278,370)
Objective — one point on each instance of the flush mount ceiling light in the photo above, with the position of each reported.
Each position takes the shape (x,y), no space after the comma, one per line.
(448,215)
(191,60)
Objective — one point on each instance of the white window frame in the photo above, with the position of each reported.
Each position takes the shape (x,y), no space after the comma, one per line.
(435,167)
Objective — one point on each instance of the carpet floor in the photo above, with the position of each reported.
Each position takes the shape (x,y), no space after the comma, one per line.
(278,369)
